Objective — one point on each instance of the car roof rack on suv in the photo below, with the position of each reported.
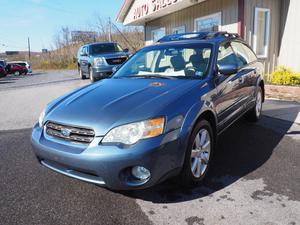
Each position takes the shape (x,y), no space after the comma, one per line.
(197,36)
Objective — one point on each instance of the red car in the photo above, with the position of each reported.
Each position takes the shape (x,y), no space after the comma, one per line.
(2,71)
(16,69)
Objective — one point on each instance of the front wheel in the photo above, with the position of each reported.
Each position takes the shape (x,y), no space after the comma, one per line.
(254,114)
(198,155)
(17,73)
(81,74)
(92,77)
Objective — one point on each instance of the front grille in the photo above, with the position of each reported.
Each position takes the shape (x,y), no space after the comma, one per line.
(116,61)
(70,133)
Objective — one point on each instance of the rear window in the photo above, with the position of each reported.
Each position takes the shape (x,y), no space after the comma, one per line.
(105,48)
(22,64)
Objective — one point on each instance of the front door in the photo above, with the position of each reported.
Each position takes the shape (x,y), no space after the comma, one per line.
(227,99)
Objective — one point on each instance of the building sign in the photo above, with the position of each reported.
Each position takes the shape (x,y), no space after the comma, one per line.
(83,36)
(148,7)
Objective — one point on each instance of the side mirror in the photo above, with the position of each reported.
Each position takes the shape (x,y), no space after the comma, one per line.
(126,50)
(228,69)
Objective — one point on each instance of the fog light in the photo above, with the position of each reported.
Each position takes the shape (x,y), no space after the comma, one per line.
(140,172)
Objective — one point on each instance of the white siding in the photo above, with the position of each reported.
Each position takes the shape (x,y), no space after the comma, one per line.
(289,52)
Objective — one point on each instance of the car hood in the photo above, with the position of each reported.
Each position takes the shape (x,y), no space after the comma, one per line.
(113,102)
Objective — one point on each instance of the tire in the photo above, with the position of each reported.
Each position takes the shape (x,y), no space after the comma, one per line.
(92,78)
(81,75)
(17,73)
(254,114)
(190,176)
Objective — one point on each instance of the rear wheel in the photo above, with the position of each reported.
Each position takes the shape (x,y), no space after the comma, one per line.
(254,114)
(17,73)
(198,154)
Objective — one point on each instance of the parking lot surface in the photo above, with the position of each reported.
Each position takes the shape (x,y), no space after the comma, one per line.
(255,178)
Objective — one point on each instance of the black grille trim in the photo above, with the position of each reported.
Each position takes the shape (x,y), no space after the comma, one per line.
(77,134)
(116,61)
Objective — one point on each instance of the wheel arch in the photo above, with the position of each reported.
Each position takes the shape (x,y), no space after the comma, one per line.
(210,117)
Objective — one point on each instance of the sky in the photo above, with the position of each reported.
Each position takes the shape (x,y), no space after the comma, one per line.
(40,20)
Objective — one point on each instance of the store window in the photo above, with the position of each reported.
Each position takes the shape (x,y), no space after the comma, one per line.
(211,22)
(178,30)
(158,34)
(261,32)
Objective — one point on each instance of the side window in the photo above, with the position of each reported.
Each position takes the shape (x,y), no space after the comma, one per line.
(244,54)
(242,58)
(251,56)
(84,50)
(226,55)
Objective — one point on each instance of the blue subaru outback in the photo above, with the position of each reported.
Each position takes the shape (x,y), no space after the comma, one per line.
(157,117)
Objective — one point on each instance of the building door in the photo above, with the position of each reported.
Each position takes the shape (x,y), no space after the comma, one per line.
(208,23)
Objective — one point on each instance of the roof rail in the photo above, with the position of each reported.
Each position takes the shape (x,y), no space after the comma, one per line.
(197,36)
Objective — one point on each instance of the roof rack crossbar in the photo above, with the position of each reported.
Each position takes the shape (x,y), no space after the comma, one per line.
(197,36)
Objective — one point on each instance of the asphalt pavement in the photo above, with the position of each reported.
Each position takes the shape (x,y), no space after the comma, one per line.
(255,178)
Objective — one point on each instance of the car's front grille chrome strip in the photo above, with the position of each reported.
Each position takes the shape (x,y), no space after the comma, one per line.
(70,133)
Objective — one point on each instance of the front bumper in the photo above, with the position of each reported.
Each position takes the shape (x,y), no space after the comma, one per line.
(110,166)
(103,72)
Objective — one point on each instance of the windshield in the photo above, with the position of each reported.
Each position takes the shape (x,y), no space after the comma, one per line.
(105,48)
(184,61)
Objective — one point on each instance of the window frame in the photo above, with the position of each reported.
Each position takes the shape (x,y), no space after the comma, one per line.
(219,14)
(268,22)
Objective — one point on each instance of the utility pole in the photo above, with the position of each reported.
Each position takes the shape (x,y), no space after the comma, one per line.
(109,30)
(29,54)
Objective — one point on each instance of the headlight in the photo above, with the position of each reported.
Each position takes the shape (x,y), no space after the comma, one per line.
(131,133)
(99,61)
(41,118)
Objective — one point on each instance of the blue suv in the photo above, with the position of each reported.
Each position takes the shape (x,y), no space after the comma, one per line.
(157,117)
(97,60)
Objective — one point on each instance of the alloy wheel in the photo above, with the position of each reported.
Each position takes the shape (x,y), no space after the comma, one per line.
(200,154)
(258,106)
